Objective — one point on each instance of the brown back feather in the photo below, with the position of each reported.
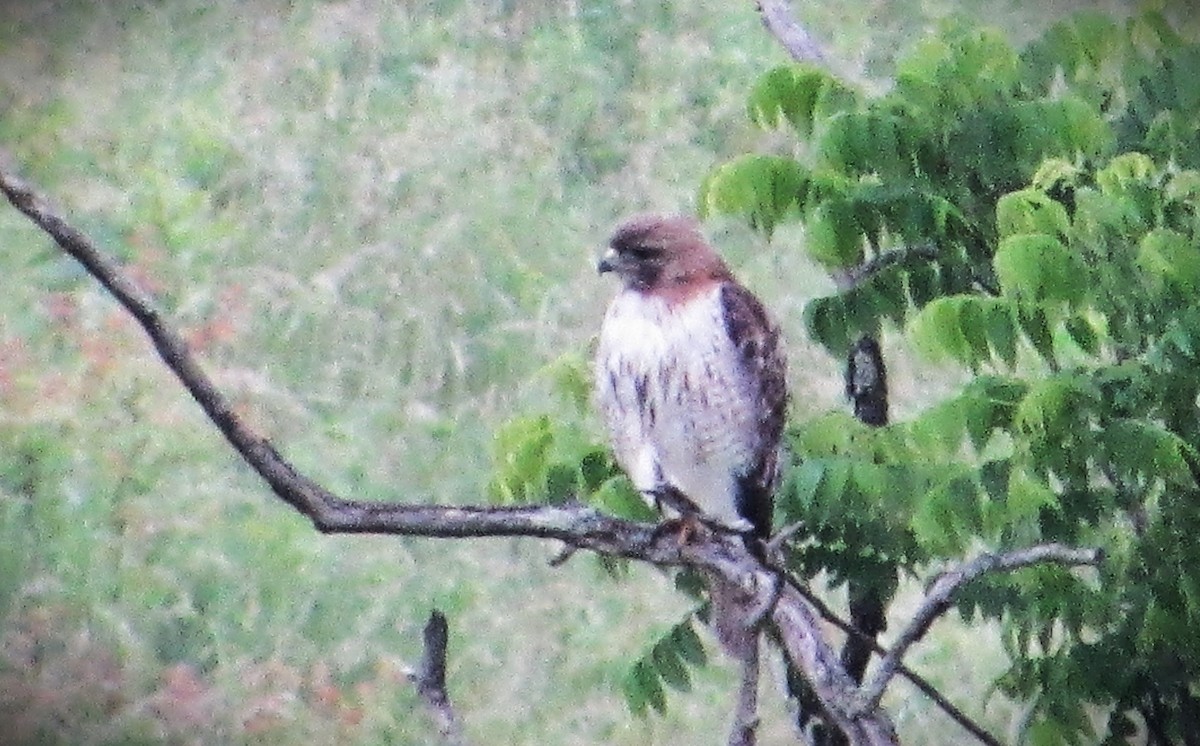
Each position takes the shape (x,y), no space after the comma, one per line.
(757,341)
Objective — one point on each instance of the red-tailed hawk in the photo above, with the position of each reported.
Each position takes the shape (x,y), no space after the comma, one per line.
(690,377)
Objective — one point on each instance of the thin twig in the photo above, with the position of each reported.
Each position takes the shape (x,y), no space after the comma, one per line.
(781,537)
(565,553)
(940,594)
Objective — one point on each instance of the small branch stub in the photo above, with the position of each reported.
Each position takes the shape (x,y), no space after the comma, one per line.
(430,680)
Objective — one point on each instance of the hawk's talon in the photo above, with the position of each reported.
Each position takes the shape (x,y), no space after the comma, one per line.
(686,526)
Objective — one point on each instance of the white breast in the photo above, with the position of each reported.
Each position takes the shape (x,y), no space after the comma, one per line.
(675,399)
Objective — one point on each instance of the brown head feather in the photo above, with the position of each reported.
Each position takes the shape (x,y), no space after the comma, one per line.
(664,255)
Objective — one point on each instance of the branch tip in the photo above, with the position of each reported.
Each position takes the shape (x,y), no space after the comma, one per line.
(939,598)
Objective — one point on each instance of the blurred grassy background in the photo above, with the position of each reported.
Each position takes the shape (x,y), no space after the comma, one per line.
(376,222)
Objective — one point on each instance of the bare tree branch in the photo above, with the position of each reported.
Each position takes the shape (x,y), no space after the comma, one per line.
(430,680)
(941,592)
(796,621)
(802,46)
(575,525)
(719,553)
(917,680)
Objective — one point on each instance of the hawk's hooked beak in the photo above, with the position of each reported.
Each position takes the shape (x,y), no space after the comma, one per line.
(608,262)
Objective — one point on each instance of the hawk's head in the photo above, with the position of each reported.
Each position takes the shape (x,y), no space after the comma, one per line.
(659,252)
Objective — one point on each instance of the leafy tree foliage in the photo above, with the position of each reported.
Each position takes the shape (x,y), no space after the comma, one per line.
(1033,217)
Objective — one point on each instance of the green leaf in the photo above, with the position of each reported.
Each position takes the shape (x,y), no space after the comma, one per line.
(1172,258)
(1000,328)
(1050,732)
(1183,186)
(885,295)
(832,434)
(1082,333)
(981,417)
(690,583)
(947,517)
(595,467)
(833,236)
(643,689)
(687,643)
(963,66)
(1036,327)
(665,662)
(763,189)
(972,322)
(562,483)
(873,141)
(800,95)
(1151,31)
(939,430)
(1099,36)
(1074,126)
(651,685)
(923,286)
(1125,171)
(870,480)
(920,68)
(800,489)
(520,449)
(833,482)
(935,330)
(828,321)
(1100,213)
(1038,267)
(1138,448)
(617,496)
(1052,404)
(1031,211)
(670,667)
(1056,174)
(1027,497)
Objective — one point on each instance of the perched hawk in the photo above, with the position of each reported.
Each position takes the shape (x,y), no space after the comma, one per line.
(690,377)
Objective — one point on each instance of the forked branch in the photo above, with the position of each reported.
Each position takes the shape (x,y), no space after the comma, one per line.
(574,525)
(940,595)
(795,618)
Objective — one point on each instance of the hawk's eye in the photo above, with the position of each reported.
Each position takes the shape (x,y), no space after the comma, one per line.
(641,253)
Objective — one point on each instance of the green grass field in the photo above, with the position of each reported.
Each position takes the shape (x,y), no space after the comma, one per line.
(376,222)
